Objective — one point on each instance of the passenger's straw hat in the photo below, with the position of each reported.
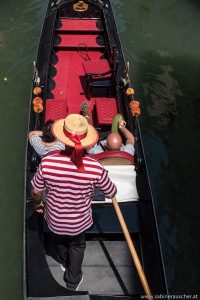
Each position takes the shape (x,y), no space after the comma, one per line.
(75,125)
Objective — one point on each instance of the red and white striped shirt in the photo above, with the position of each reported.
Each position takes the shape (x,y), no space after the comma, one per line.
(69,193)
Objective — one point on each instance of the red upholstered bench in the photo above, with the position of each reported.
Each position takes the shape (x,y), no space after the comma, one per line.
(55,109)
(80,25)
(74,40)
(106,109)
(114,157)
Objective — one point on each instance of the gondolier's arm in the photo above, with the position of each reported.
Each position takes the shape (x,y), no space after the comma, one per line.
(37,198)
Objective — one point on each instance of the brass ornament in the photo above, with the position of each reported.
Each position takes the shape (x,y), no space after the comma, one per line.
(80,6)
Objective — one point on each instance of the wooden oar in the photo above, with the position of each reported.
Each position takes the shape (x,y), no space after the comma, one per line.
(132,249)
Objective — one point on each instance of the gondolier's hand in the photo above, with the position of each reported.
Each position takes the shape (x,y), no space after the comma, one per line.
(37,200)
(39,208)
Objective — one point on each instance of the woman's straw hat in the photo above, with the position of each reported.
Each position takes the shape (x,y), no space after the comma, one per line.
(77,125)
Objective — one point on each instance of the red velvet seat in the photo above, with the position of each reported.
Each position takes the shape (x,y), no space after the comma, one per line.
(101,73)
(80,25)
(98,67)
(106,109)
(55,109)
(74,40)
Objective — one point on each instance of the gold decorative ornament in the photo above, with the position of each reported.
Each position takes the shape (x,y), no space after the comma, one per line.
(38,108)
(37,104)
(80,6)
(135,110)
(37,100)
(130,91)
(37,90)
(134,103)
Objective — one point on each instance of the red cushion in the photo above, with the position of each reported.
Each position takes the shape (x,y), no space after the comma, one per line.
(80,25)
(106,109)
(113,154)
(55,109)
(73,40)
(97,67)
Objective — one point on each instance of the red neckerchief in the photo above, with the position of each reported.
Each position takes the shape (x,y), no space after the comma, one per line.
(77,153)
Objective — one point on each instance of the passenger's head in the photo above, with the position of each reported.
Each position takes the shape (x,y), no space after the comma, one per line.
(47,135)
(114,141)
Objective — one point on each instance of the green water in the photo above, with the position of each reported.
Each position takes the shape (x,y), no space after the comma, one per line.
(161,41)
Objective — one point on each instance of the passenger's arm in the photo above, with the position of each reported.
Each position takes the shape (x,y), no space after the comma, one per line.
(35,132)
(127,134)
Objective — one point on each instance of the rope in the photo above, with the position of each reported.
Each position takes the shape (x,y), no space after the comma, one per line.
(83,54)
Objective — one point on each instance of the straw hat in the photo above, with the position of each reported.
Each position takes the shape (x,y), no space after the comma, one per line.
(75,124)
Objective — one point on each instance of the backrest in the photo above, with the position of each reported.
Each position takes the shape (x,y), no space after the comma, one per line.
(114,157)
(55,109)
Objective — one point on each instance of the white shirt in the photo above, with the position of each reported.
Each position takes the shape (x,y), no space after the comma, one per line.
(42,150)
(126,148)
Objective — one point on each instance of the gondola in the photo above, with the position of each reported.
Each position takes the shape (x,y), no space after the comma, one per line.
(80,68)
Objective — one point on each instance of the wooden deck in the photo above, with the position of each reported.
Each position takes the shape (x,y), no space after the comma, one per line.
(107,269)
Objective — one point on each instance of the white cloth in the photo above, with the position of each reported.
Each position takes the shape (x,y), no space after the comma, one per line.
(124,177)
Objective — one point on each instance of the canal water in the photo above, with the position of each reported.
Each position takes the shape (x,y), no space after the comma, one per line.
(161,41)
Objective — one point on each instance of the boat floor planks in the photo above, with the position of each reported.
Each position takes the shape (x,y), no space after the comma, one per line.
(107,267)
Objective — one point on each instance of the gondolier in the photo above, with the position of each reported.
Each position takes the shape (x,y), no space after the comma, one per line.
(69,180)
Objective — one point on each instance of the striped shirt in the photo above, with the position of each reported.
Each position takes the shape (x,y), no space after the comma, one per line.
(42,150)
(69,193)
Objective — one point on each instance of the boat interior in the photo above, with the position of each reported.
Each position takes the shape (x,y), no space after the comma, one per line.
(80,50)
(83,68)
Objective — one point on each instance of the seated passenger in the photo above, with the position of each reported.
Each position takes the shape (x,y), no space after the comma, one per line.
(114,141)
(44,141)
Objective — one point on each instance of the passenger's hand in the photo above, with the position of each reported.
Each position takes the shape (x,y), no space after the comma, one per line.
(121,122)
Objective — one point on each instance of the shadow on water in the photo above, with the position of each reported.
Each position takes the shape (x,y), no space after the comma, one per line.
(170,101)
(161,42)
(20,25)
